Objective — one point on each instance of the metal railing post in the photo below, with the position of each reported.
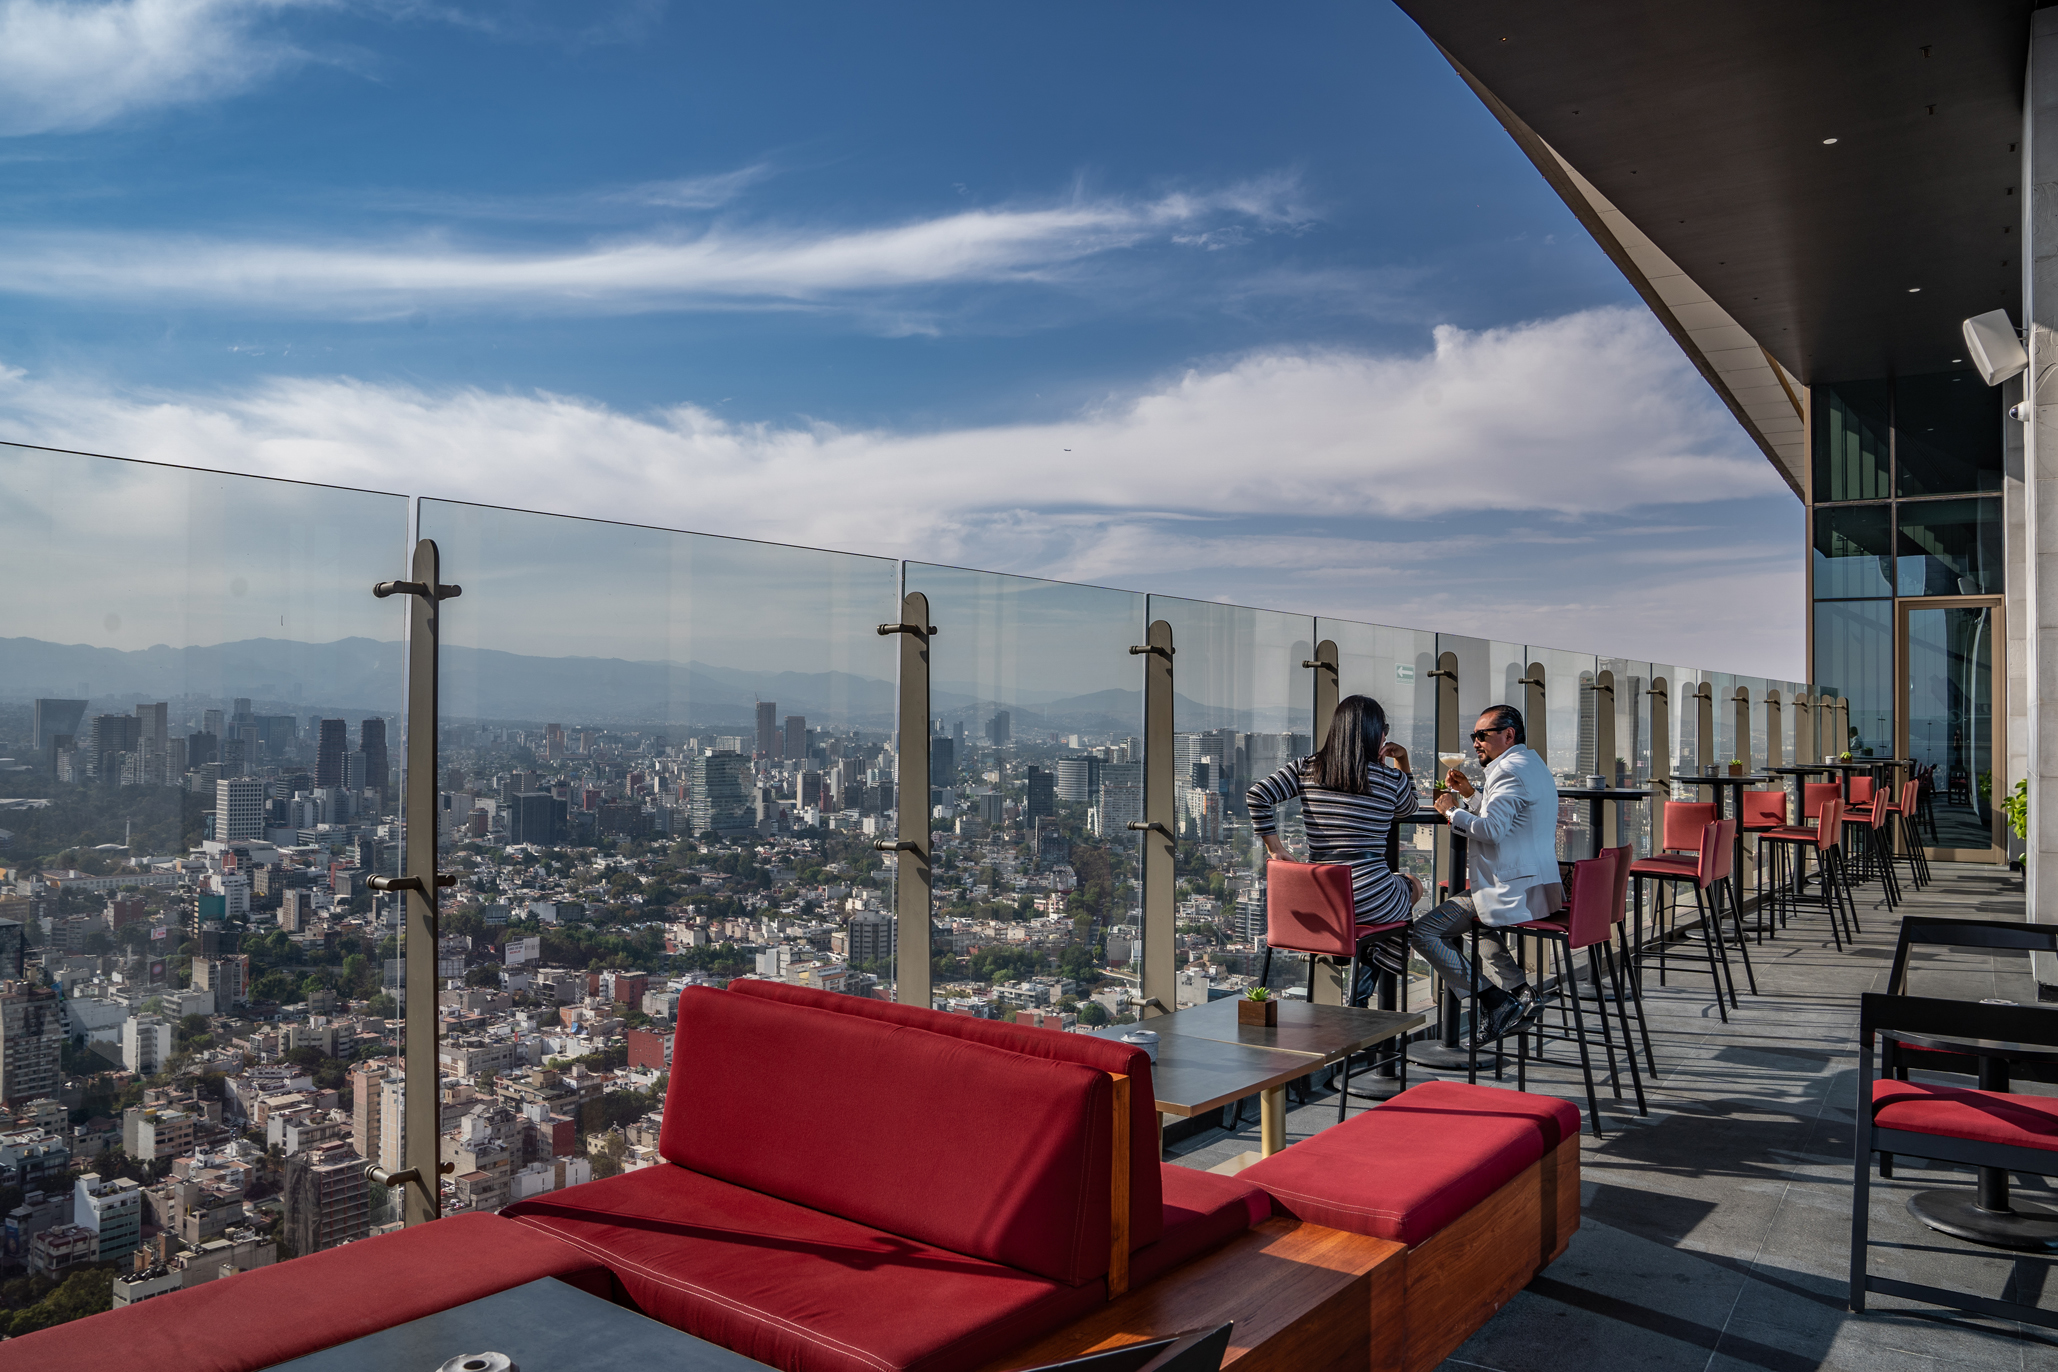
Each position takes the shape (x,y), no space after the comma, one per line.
(422,1163)
(913,878)
(1159,836)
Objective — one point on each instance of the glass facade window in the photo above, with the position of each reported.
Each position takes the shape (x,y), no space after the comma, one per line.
(1947,435)
(1853,450)
(1949,547)
(1854,552)
(1854,652)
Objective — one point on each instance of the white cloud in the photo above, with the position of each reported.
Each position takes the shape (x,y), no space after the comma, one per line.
(69,65)
(724,264)
(1580,418)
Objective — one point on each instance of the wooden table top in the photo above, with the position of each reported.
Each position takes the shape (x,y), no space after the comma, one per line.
(1206,1059)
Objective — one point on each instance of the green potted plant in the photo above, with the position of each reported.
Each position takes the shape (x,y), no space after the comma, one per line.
(1736,766)
(1844,756)
(1257,1007)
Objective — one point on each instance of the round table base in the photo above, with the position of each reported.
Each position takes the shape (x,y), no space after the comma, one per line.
(2024,1228)
(1372,1086)
(1442,1059)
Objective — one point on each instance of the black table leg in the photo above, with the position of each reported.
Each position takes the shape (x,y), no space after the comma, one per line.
(1987,1215)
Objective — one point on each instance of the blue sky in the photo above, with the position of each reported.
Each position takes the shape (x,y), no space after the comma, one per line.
(1314,333)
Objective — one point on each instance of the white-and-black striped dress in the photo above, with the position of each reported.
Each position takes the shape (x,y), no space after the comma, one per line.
(1347,828)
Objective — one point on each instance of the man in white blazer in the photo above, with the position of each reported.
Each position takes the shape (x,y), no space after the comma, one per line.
(1510,827)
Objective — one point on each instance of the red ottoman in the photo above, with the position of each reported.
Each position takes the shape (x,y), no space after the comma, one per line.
(1481,1184)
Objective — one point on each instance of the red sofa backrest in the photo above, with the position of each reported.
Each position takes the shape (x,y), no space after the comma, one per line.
(1146,1186)
(988,1153)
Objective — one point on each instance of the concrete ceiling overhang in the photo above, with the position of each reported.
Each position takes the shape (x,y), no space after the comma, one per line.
(1689,139)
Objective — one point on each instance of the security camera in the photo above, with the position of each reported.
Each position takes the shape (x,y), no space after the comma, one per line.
(2021,414)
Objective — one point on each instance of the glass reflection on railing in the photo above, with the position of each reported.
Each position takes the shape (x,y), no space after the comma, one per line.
(1393,667)
(199,709)
(1243,708)
(1035,775)
(664,760)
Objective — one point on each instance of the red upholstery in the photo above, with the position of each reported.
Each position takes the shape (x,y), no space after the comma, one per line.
(1861,791)
(1624,857)
(1684,821)
(1955,1112)
(271,1314)
(872,1121)
(1763,809)
(1203,1211)
(1590,910)
(1666,866)
(1406,1169)
(798,1288)
(1814,794)
(1310,908)
(1146,1198)
(1718,851)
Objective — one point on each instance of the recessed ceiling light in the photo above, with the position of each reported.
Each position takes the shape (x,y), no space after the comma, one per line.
(1956,360)
(1914,290)
(1827,141)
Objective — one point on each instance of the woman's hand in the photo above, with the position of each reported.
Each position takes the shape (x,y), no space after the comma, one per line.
(1274,848)
(1397,755)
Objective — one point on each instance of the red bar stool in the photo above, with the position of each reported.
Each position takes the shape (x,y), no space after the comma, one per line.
(1870,821)
(1907,833)
(1310,908)
(1679,834)
(1702,872)
(1585,924)
(1826,839)
(1759,812)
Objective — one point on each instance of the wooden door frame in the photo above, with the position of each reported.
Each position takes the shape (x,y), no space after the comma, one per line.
(1997,696)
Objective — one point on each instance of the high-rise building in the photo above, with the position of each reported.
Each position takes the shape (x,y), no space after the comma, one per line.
(327,1198)
(13,949)
(146,1044)
(112,738)
(365,1115)
(795,748)
(31,1035)
(553,742)
(1121,798)
(999,729)
(943,761)
(153,734)
(228,977)
(213,722)
(112,1208)
(769,742)
(536,817)
(54,718)
(392,1142)
(1042,799)
(330,744)
(723,798)
(371,741)
(871,939)
(1077,778)
(238,809)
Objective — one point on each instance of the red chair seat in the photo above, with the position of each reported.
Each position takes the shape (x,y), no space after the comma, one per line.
(1203,1211)
(1800,833)
(1406,1169)
(795,1287)
(273,1314)
(1666,865)
(1549,924)
(1956,1112)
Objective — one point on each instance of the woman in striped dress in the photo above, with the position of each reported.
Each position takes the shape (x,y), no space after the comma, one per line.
(1350,800)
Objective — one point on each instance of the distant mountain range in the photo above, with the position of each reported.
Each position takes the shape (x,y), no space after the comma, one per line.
(364,676)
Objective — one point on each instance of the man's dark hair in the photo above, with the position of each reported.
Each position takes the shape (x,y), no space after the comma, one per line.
(1506,717)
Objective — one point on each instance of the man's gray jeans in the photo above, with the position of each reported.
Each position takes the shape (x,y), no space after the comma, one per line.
(1439,936)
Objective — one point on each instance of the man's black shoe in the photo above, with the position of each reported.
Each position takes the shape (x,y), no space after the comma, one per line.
(1502,1019)
(1532,1003)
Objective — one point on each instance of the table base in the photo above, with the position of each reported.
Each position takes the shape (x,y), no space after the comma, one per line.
(1443,1059)
(1957,1212)
(1370,1086)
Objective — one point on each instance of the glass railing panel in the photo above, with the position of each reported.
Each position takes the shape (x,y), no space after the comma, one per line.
(1722,692)
(1630,767)
(1754,753)
(1243,708)
(1036,772)
(664,760)
(1568,737)
(1686,746)
(1393,667)
(199,709)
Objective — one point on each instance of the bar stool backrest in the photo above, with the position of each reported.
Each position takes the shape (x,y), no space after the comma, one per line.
(1591,909)
(1309,908)
(1764,809)
(1830,831)
(1718,851)
(1911,796)
(1684,821)
(1623,857)
(1861,790)
(1814,793)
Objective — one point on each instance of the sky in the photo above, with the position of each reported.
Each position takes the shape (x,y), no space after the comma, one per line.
(1237,305)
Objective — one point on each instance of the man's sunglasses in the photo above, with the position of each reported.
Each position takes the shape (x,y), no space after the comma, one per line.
(1482,735)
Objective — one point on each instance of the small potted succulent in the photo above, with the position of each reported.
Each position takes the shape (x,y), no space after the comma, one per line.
(1844,756)
(1736,766)
(1257,1007)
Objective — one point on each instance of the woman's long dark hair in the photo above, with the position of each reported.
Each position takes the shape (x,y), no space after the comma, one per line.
(1351,751)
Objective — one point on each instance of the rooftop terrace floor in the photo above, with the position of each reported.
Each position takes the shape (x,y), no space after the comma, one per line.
(1716,1232)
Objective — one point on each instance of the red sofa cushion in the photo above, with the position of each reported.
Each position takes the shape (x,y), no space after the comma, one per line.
(876,1122)
(1203,1211)
(1957,1112)
(271,1314)
(1406,1169)
(794,1287)
(1146,1198)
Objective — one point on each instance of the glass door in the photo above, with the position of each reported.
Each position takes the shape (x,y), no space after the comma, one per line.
(1951,670)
